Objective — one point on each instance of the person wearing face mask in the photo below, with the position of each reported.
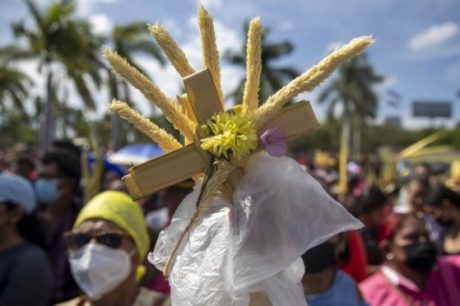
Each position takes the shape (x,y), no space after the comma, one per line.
(443,204)
(324,284)
(25,271)
(413,274)
(107,246)
(59,198)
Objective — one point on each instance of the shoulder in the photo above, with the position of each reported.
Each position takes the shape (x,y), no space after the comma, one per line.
(32,255)
(343,279)
(448,269)
(28,256)
(446,261)
(374,286)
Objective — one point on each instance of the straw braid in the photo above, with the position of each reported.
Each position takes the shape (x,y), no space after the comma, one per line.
(151,92)
(167,142)
(209,48)
(175,54)
(310,79)
(215,182)
(253,67)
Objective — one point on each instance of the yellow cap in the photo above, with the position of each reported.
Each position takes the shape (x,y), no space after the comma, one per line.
(119,208)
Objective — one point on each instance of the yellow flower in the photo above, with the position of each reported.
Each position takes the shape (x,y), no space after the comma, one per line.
(230,135)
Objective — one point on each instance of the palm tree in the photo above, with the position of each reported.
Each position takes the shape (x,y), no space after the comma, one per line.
(59,39)
(353,90)
(14,88)
(272,78)
(128,40)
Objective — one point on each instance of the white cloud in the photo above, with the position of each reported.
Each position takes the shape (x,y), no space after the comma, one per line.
(434,35)
(101,24)
(86,7)
(210,3)
(173,28)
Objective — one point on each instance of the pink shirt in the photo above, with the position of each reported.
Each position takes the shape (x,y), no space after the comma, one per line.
(388,288)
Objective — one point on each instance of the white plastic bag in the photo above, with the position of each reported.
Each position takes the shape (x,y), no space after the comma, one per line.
(253,244)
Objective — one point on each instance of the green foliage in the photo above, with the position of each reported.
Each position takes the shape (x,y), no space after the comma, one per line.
(272,78)
(374,137)
(14,128)
(57,37)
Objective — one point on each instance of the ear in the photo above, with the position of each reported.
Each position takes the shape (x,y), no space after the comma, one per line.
(385,246)
(16,215)
(135,259)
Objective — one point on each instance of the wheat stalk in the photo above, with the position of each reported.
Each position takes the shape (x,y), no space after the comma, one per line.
(151,92)
(172,51)
(253,67)
(167,142)
(209,48)
(310,79)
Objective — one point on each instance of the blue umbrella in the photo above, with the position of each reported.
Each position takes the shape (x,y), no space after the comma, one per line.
(135,154)
(108,166)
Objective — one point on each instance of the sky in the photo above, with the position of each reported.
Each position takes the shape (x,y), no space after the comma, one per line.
(417,44)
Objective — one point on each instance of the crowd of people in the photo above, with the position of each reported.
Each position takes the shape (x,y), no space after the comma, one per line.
(57,248)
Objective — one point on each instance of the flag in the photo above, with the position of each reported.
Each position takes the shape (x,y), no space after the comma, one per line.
(393,98)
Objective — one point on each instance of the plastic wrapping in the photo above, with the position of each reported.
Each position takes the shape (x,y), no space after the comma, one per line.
(253,244)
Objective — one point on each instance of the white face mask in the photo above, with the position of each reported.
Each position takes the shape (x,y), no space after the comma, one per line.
(99,269)
(157,219)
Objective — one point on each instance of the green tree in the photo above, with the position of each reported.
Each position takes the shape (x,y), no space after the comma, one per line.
(353,90)
(14,83)
(58,39)
(272,78)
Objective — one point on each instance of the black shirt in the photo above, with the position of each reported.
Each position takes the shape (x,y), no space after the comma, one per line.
(25,276)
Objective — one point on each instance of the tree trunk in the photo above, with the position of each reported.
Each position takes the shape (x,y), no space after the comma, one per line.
(357,135)
(47,125)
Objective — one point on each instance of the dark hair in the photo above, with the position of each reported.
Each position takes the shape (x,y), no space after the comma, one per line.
(440,193)
(67,146)
(26,161)
(29,226)
(68,165)
(373,198)
(396,223)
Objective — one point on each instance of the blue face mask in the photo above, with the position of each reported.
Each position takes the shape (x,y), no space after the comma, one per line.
(46,190)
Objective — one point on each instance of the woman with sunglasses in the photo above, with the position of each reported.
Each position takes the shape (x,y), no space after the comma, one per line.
(107,247)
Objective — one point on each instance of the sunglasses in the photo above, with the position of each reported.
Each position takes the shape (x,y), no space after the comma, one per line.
(75,240)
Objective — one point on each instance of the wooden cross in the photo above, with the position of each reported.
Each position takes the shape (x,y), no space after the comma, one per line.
(172,168)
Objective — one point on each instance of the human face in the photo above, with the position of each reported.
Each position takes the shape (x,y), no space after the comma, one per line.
(375,217)
(412,232)
(421,171)
(51,172)
(416,194)
(96,227)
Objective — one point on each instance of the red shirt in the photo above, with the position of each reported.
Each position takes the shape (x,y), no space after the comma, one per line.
(356,264)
